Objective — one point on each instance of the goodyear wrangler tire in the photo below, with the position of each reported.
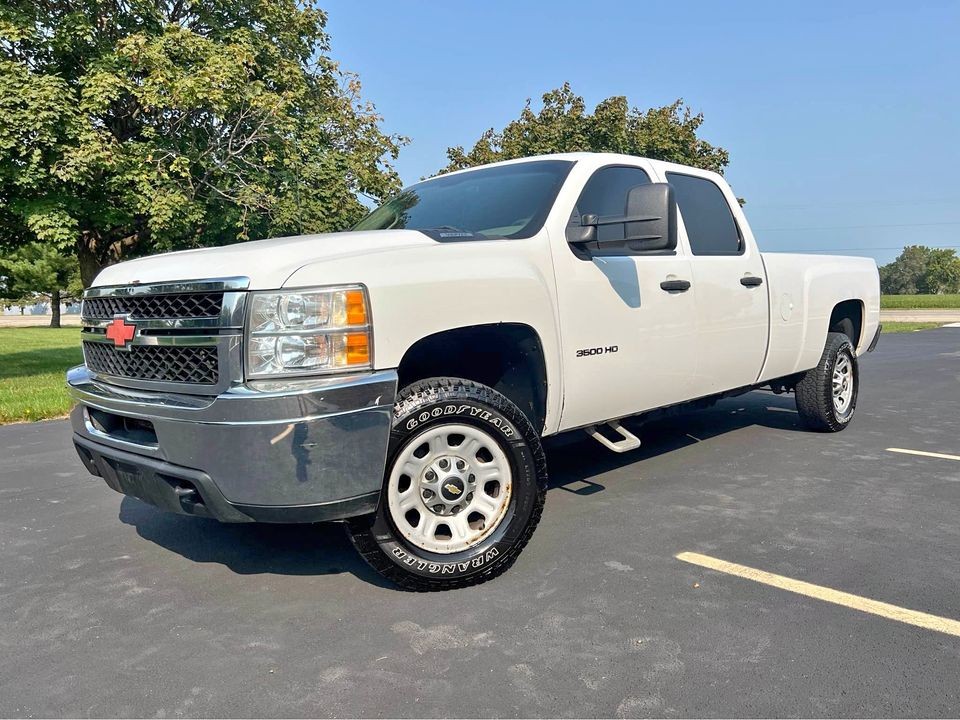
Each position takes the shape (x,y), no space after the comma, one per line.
(827,394)
(463,490)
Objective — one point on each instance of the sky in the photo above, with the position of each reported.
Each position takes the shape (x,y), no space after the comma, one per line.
(841,118)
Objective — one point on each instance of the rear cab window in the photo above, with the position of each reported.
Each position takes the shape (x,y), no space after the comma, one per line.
(711,227)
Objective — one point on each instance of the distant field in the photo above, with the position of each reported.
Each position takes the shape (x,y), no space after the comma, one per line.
(910,302)
(32,366)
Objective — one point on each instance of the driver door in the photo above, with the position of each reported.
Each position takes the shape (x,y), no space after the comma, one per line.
(628,334)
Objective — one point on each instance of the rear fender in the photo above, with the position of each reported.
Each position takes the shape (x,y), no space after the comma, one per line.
(804,290)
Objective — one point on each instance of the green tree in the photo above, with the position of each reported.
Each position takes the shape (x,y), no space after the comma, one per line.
(942,273)
(902,276)
(39,270)
(563,125)
(148,125)
(920,269)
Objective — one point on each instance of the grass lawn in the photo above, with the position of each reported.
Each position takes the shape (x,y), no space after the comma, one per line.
(32,365)
(909,302)
(900,327)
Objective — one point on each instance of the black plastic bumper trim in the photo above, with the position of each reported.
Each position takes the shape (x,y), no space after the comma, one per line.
(321,512)
(191,492)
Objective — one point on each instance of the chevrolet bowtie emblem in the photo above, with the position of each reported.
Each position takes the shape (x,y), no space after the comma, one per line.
(121,332)
(452,489)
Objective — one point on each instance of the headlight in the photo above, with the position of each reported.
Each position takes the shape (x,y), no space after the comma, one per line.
(301,332)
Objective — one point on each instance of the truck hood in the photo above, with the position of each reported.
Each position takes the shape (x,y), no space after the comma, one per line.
(268,263)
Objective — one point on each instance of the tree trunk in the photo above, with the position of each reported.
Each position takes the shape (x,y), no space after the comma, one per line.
(55,309)
(89,264)
(87,259)
(95,251)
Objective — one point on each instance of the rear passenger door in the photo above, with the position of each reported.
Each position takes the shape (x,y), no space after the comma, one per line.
(729,282)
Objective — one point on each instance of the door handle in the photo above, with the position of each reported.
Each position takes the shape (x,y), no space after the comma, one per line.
(751,281)
(675,285)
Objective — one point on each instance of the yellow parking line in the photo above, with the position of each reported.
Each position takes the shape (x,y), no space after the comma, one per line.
(942,456)
(855,602)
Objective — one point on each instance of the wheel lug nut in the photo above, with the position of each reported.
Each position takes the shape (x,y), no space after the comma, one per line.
(431,475)
(461,464)
(427,494)
(469,497)
(438,508)
(455,509)
(472,479)
(444,464)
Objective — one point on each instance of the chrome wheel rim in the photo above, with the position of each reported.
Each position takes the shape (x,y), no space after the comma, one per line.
(842,383)
(449,488)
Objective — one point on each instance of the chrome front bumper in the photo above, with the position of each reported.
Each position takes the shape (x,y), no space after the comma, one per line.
(297,450)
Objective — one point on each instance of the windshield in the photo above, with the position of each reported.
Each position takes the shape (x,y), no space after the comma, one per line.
(508,201)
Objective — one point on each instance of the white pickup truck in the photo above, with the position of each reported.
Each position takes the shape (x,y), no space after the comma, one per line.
(401,376)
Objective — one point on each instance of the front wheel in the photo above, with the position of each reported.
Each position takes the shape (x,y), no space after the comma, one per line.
(463,490)
(827,394)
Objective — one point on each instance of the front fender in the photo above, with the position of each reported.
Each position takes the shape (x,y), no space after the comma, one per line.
(421,291)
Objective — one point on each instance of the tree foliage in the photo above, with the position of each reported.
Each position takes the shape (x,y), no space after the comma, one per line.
(39,270)
(563,125)
(147,125)
(923,270)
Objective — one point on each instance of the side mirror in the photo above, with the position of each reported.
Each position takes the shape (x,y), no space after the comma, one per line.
(649,224)
(651,221)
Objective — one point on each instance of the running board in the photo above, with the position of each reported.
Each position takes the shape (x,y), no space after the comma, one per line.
(628,440)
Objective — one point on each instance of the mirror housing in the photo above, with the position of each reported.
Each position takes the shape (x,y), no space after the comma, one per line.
(656,209)
(649,224)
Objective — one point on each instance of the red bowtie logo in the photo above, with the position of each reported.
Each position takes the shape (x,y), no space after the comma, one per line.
(121,332)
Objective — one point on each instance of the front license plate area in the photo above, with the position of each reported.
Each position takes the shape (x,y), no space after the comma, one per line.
(131,480)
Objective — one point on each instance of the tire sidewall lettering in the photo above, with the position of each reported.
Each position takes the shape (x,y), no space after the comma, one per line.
(451,568)
(472,411)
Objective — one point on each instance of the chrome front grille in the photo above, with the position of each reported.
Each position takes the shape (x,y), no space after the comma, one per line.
(179,336)
(153,362)
(143,307)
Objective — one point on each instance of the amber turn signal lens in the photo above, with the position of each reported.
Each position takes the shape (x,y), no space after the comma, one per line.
(356,307)
(358,349)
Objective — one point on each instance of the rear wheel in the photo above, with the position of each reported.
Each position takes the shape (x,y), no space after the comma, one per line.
(827,394)
(463,490)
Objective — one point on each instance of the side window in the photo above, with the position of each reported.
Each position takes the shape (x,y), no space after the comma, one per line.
(606,194)
(706,215)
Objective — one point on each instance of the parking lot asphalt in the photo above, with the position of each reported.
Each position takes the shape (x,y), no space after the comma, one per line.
(110,607)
